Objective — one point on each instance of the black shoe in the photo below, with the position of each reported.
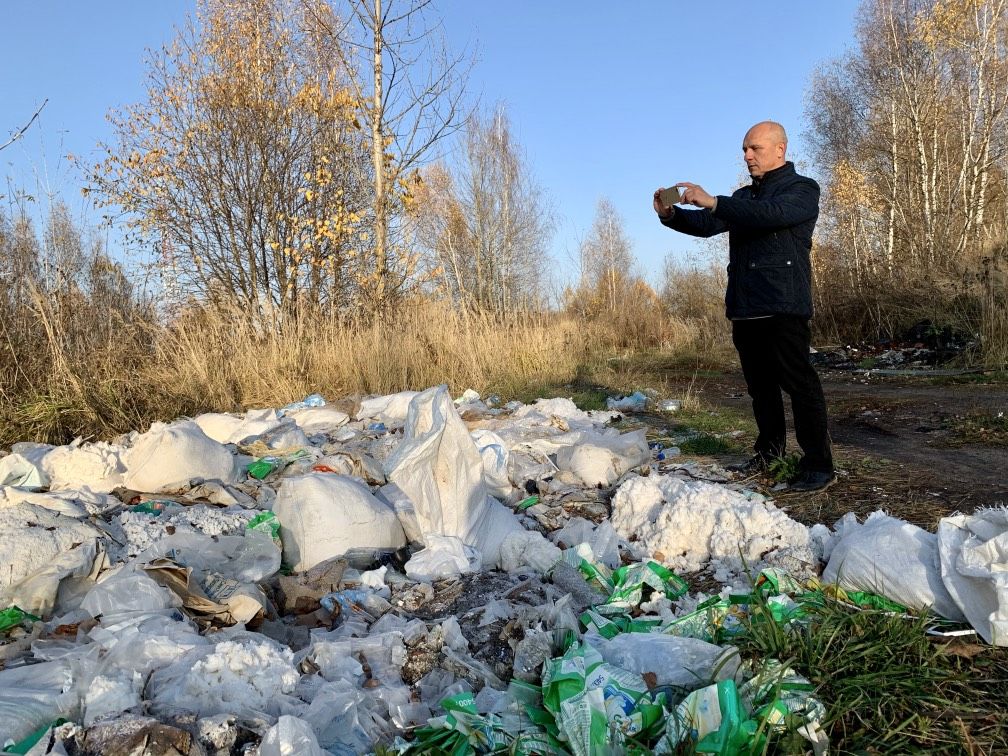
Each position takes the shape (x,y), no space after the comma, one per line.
(812,480)
(753,466)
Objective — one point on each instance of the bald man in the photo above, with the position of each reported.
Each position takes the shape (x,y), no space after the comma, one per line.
(769,295)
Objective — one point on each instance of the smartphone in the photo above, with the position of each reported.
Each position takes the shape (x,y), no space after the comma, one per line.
(670,196)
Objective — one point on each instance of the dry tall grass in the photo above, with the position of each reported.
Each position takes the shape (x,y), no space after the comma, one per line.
(220,359)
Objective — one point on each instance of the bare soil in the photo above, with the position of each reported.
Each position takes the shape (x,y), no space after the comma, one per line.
(906,445)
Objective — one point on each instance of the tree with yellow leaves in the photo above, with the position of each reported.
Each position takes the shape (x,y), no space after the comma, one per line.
(247,160)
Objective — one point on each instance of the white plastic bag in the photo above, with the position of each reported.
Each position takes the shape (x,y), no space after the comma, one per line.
(167,457)
(974,565)
(439,468)
(686,662)
(290,736)
(443,557)
(324,515)
(894,559)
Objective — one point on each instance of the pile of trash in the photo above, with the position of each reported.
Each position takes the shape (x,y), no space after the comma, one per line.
(425,575)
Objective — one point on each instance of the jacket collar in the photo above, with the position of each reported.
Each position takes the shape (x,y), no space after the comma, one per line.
(770,176)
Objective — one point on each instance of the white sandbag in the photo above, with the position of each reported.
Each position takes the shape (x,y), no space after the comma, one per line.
(98,466)
(494,453)
(391,409)
(599,460)
(973,550)
(439,468)
(17,470)
(443,557)
(32,536)
(314,420)
(324,515)
(167,457)
(894,559)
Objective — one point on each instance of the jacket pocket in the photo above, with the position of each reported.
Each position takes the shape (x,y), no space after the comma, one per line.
(771,284)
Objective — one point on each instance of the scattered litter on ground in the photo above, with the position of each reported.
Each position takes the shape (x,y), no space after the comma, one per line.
(434,575)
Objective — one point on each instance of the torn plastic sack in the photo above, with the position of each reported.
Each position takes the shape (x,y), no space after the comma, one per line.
(167,457)
(439,468)
(324,515)
(314,420)
(635,583)
(895,559)
(973,550)
(594,703)
(127,592)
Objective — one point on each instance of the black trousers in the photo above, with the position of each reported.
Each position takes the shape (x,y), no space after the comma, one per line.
(774,353)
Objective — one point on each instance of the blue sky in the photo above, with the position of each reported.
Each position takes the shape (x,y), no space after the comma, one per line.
(607,98)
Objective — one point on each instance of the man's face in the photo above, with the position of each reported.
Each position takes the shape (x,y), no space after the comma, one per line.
(763,151)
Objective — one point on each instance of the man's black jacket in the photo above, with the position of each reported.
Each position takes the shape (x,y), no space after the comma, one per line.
(769,225)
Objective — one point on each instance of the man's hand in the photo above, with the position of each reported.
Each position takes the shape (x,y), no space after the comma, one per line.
(663,210)
(696,196)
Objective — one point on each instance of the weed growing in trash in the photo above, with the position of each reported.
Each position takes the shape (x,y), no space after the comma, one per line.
(887,686)
(785,468)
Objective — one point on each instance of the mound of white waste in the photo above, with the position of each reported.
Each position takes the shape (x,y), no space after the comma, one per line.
(167,457)
(687,523)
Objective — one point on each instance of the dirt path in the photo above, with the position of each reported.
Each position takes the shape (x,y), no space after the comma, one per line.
(905,445)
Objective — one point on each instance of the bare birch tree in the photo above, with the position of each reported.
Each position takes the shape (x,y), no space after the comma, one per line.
(411,88)
(484,223)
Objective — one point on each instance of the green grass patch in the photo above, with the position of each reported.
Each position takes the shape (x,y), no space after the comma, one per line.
(705,445)
(887,686)
(715,422)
